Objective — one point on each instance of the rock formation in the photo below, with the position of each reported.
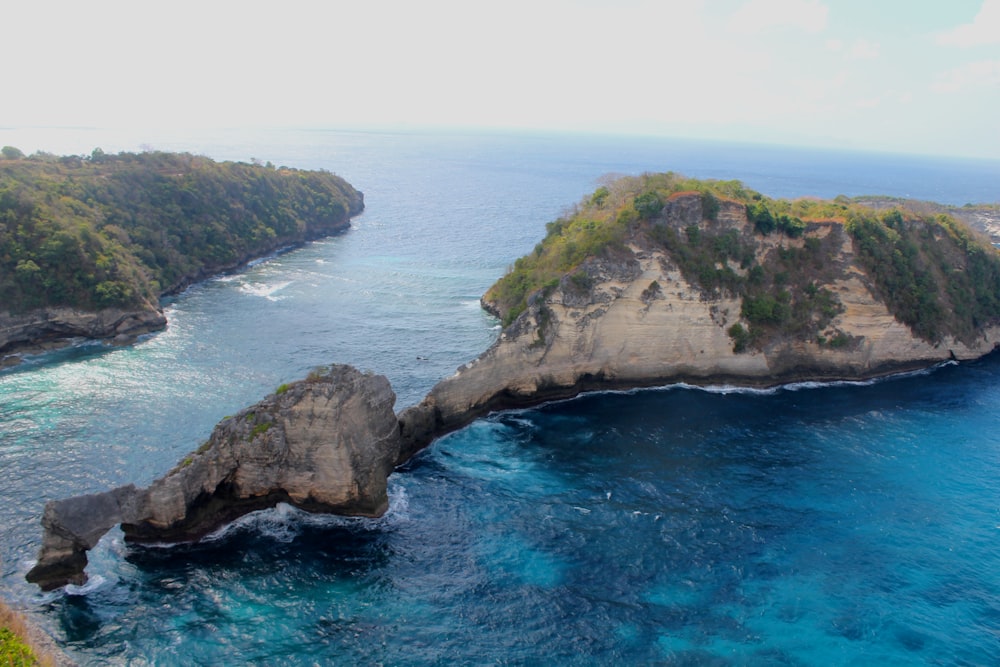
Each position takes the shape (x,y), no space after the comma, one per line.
(325,444)
(635,320)
(685,288)
(35,329)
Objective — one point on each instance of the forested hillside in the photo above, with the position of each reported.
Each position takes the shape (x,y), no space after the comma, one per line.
(121,230)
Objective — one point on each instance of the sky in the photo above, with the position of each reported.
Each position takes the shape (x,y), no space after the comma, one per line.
(889,75)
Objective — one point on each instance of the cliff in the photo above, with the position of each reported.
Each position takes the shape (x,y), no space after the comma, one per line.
(694,291)
(325,444)
(88,245)
(652,280)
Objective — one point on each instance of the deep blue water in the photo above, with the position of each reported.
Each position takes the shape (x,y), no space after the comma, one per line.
(850,524)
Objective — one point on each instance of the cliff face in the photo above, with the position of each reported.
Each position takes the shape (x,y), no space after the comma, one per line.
(630,318)
(326,444)
(40,327)
(694,289)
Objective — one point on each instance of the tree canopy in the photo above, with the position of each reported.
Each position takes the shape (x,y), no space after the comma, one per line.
(122,230)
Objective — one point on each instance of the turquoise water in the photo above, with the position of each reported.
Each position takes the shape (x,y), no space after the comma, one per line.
(851,524)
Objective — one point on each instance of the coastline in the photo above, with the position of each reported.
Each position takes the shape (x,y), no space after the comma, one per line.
(424,423)
(70,326)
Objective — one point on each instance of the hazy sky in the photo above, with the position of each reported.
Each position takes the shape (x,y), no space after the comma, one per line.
(909,75)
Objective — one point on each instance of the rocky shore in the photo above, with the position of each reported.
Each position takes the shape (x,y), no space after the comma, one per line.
(324,444)
(38,330)
(623,319)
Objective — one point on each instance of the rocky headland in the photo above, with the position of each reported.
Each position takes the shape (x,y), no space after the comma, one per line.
(324,444)
(89,245)
(652,280)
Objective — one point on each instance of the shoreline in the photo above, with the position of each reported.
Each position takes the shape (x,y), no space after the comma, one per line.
(424,423)
(13,353)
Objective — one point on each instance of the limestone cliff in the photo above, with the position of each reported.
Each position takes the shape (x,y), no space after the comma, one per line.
(631,316)
(651,281)
(325,444)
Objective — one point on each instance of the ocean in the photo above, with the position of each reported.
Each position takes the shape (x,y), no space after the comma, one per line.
(844,524)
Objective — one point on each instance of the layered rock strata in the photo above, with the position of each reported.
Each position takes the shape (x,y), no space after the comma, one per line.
(622,319)
(326,444)
(639,322)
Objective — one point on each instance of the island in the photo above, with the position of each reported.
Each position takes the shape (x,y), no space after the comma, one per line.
(89,245)
(651,280)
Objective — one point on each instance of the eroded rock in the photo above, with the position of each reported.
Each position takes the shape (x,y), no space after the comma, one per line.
(325,444)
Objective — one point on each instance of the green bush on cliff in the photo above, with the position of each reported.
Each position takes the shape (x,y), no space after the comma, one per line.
(934,275)
(119,230)
(13,651)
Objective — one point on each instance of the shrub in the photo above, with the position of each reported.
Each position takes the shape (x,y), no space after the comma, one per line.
(647,205)
(13,651)
(709,206)
(740,336)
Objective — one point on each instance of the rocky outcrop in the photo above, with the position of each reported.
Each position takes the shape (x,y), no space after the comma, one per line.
(38,328)
(628,316)
(325,444)
(637,321)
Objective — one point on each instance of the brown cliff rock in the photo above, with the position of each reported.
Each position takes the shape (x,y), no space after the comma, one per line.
(639,322)
(326,444)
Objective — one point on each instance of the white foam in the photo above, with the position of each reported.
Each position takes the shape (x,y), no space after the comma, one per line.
(284,522)
(95,582)
(735,389)
(264,290)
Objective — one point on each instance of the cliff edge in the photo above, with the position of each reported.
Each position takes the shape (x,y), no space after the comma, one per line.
(651,280)
(661,279)
(325,444)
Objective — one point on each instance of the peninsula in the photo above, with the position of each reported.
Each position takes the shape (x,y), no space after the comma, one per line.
(88,245)
(651,280)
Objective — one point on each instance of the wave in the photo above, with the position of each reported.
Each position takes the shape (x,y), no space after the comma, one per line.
(93,583)
(284,522)
(725,389)
(265,290)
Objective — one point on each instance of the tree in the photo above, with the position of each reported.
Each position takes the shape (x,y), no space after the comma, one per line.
(648,205)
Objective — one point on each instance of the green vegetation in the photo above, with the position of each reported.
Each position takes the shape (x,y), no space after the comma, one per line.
(318,374)
(282,388)
(596,228)
(16,647)
(121,230)
(259,429)
(932,272)
(13,651)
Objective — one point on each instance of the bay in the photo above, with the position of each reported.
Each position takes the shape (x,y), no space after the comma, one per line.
(809,525)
